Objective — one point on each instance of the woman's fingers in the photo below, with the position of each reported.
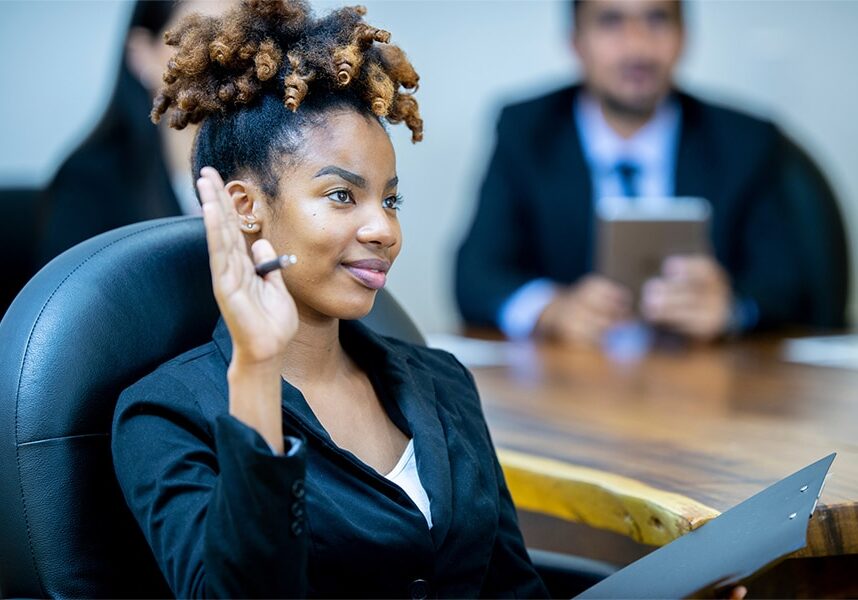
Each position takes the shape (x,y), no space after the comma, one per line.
(219,198)
(227,251)
(216,238)
(224,200)
(738,592)
(263,251)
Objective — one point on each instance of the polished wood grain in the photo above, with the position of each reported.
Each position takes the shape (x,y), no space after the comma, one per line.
(656,448)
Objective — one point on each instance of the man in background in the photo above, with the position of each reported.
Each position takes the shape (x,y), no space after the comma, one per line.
(526,265)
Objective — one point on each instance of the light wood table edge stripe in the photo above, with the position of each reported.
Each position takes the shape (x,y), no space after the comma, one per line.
(600,499)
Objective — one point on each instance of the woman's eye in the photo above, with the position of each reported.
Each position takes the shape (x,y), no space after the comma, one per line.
(394,202)
(341,196)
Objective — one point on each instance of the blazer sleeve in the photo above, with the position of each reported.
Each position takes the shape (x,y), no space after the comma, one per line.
(821,240)
(768,269)
(495,258)
(222,514)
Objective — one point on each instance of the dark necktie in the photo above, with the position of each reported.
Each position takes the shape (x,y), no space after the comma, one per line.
(628,172)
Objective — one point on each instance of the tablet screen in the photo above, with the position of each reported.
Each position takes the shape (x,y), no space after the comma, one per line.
(635,235)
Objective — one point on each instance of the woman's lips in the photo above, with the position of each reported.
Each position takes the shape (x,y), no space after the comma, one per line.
(370,272)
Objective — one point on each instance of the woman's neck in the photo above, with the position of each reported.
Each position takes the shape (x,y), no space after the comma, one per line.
(315,353)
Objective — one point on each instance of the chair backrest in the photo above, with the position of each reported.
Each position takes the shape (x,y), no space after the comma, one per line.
(821,239)
(93,321)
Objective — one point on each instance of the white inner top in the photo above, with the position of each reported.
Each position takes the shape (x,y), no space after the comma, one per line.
(405,475)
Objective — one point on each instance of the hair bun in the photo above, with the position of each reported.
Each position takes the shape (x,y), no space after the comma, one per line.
(278,47)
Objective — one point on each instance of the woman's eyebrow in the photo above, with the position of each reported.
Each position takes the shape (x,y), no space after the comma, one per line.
(352,178)
(394,181)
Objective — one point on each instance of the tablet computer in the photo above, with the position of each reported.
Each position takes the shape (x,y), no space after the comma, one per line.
(634,236)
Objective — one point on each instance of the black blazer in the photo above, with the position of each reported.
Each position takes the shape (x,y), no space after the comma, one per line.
(224,517)
(781,241)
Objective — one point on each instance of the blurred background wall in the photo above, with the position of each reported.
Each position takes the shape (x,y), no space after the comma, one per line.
(792,60)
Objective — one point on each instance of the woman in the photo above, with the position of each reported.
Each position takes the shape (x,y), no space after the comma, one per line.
(299,453)
(121,173)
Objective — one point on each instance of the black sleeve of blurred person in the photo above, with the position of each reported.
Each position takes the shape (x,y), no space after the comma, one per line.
(496,257)
(117,176)
(760,255)
(821,236)
(534,217)
(776,226)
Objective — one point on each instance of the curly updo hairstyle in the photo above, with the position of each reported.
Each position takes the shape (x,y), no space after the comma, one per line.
(255,76)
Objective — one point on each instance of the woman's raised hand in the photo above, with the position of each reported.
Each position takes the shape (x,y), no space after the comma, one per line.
(259,311)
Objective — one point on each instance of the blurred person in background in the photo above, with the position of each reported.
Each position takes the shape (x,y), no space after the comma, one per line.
(126,170)
(526,265)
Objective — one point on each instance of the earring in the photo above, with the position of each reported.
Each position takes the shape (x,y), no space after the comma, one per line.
(249,222)
(249,226)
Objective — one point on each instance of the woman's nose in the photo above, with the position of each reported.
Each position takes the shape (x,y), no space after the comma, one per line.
(379,228)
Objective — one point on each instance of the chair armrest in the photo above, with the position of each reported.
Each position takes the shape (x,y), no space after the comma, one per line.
(566,575)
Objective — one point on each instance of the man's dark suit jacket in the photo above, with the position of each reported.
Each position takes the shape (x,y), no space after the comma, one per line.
(226,518)
(776,227)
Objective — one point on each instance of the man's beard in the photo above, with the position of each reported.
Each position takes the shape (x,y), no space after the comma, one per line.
(641,109)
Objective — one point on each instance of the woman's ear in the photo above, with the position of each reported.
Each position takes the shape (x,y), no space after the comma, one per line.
(249,205)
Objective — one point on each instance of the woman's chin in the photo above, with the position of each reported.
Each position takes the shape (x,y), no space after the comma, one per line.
(353,316)
(350,307)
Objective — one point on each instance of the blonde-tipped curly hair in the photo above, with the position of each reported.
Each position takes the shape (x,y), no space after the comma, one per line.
(277,47)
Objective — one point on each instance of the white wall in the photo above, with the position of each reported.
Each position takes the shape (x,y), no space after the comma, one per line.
(57,68)
(790,59)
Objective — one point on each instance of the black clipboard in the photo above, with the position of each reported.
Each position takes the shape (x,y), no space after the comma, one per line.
(734,545)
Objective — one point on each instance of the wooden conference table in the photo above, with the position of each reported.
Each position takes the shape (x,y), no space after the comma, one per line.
(654,449)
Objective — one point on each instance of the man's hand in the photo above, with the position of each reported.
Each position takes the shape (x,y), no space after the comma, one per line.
(581,313)
(692,296)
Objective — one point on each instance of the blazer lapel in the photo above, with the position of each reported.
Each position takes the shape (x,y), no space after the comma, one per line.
(413,388)
(292,400)
(693,166)
(567,192)
(430,447)
(221,338)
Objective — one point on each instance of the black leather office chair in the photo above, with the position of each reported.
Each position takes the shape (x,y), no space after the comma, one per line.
(93,321)
(821,237)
